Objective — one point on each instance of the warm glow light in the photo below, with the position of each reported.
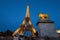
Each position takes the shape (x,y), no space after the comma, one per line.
(24,26)
(58,31)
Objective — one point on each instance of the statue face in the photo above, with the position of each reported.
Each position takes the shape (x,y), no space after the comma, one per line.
(43,16)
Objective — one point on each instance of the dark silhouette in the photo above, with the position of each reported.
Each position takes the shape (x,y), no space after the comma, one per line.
(8,33)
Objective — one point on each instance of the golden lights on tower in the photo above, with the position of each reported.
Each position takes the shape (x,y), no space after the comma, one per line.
(24,26)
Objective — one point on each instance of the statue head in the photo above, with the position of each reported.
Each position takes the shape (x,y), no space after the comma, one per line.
(43,16)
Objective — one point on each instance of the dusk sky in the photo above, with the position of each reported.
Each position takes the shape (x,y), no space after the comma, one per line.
(12,12)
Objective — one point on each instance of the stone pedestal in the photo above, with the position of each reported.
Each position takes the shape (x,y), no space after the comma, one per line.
(46,29)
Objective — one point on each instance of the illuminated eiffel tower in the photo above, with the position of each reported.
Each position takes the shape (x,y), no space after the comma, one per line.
(26,25)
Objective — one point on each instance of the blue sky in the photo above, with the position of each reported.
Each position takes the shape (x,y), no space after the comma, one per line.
(12,12)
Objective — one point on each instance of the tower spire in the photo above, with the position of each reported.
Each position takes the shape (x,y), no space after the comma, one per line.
(27,11)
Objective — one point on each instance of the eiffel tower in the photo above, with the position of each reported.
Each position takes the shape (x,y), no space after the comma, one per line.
(26,25)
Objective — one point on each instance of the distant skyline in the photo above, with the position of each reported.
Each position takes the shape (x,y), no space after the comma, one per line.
(12,12)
